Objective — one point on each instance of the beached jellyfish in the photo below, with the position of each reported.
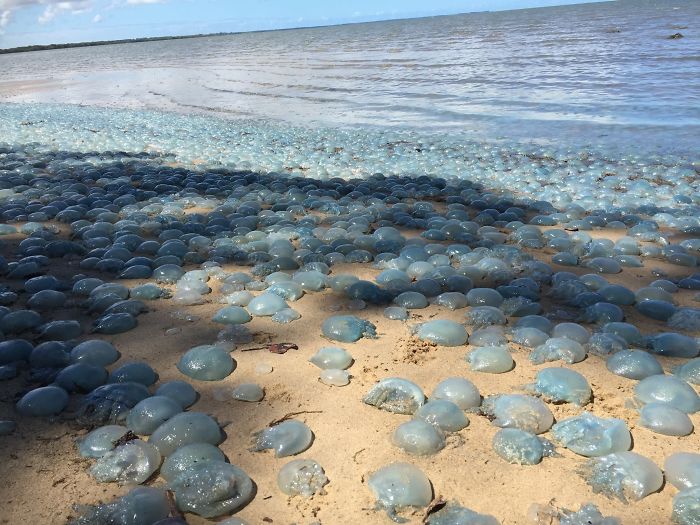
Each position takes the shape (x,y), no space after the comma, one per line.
(301,477)
(572,331)
(138,372)
(131,463)
(452,300)
(232,315)
(46,300)
(266,304)
(100,441)
(207,363)
(110,403)
(186,456)
(562,385)
(518,411)
(686,507)
(482,316)
(115,324)
(285,315)
(248,392)
(15,350)
(683,470)
(241,298)
(592,436)
(588,514)
(634,364)
(347,328)
(51,354)
(81,377)
(141,506)
(627,331)
(605,344)
(150,413)
(419,438)
(624,475)
(444,414)
(400,485)
(20,321)
(212,488)
(604,265)
(178,391)
(521,447)
(689,372)
(396,395)
(667,390)
(556,348)
(332,357)
(489,336)
(286,438)
(396,313)
(168,273)
(183,429)
(491,359)
(148,292)
(411,300)
(43,401)
(664,419)
(602,313)
(442,332)
(453,514)
(334,377)
(459,391)
(675,345)
(659,310)
(529,337)
(686,319)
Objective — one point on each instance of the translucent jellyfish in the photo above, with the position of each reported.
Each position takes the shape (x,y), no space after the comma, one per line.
(183,429)
(605,344)
(419,438)
(179,391)
(628,332)
(134,462)
(150,413)
(115,324)
(444,414)
(529,337)
(287,290)
(520,447)
(266,304)
(137,372)
(689,371)
(683,470)
(94,352)
(347,328)
(248,392)
(556,348)
(43,401)
(141,506)
(15,350)
(110,403)
(411,300)
(100,441)
(686,507)
(592,436)
(588,514)
(232,315)
(686,319)
(518,411)
(212,488)
(604,265)
(458,390)
(491,359)
(301,477)
(563,385)
(481,316)
(602,313)
(186,456)
(334,377)
(489,336)
(396,395)
(400,485)
(452,300)
(634,364)
(667,390)
(624,475)
(207,363)
(674,345)
(664,419)
(286,315)
(148,292)
(572,331)
(396,313)
(442,332)
(286,438)
(453,514)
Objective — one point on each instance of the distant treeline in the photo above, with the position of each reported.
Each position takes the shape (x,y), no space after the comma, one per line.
(25,49)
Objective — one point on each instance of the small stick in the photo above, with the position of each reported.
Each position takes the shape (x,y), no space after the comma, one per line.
(290,415)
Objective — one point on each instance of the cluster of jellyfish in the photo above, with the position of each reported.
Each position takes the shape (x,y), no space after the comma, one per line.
(523,274)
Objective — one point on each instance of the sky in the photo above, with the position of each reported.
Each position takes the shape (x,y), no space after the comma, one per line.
(30,22)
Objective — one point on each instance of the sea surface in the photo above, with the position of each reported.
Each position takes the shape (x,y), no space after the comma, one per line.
(603,73)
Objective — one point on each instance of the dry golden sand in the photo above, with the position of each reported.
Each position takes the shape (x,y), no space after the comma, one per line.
(42,476)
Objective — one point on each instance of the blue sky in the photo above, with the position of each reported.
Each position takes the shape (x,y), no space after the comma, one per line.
(25,22)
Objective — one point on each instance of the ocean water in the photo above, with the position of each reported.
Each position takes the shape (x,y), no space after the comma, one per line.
(595,74)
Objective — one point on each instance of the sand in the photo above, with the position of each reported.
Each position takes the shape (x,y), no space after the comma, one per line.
(42,475)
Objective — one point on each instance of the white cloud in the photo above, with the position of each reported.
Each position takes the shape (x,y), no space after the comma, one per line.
(53,9)
(137,2)
(97,19)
